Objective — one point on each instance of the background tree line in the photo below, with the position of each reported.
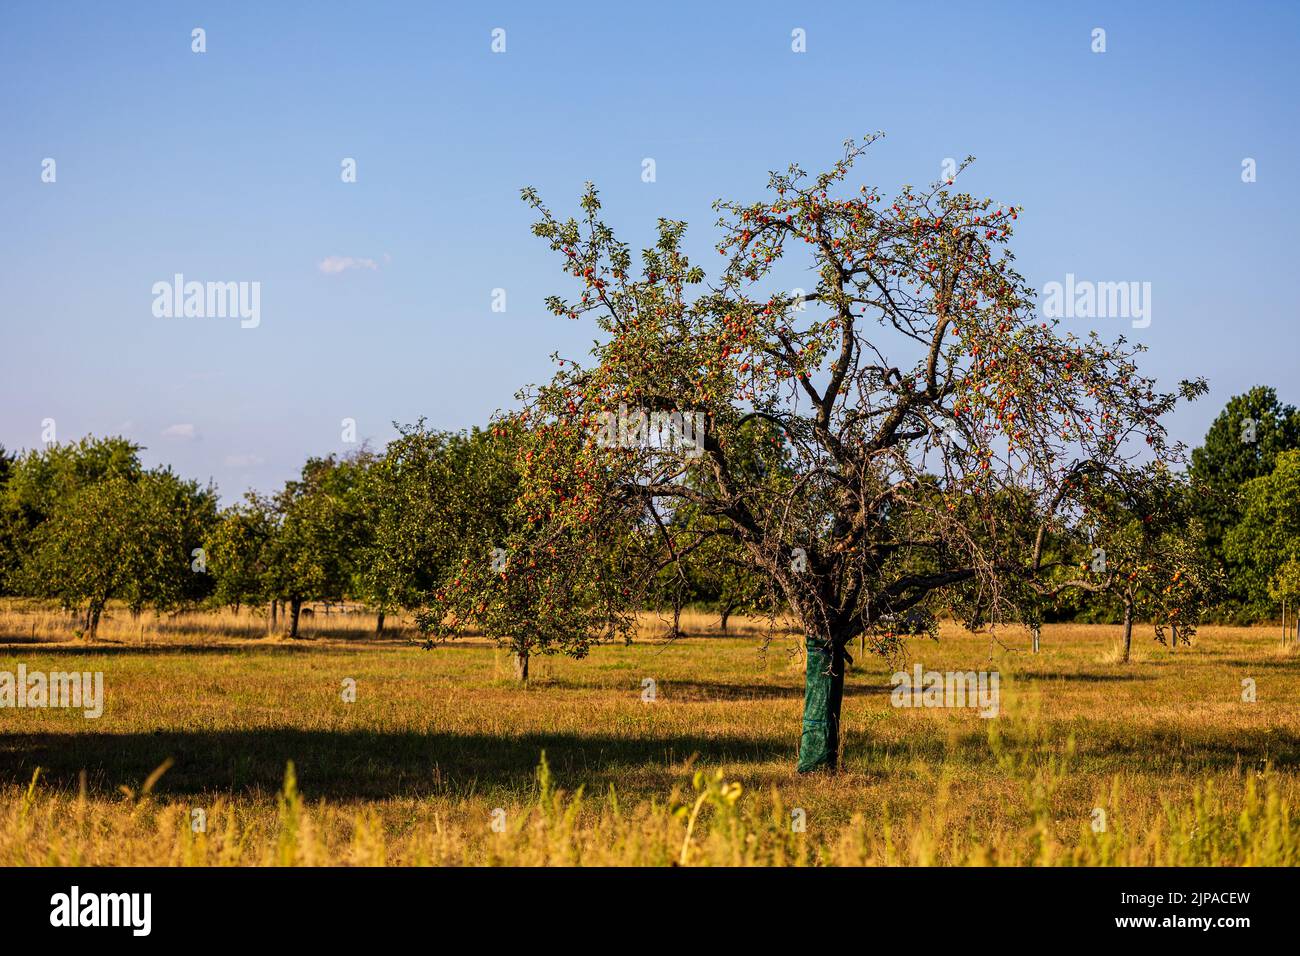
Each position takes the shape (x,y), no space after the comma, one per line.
(86,523)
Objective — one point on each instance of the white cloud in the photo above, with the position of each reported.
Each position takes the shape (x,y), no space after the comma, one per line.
(184,431)
(332,265)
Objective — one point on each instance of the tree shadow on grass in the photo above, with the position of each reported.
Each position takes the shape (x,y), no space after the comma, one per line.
(347,765)
(353,765)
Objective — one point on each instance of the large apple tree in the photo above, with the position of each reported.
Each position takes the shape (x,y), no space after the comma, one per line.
(932,433)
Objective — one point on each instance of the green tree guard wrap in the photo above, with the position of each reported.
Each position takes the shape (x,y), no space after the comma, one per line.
(823,693)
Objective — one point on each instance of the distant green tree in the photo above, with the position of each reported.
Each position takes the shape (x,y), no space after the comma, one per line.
(1241,445)
(1264,546)
(40,479)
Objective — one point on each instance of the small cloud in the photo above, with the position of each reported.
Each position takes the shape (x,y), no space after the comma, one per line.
(185,432)
(243,461)
(332,265)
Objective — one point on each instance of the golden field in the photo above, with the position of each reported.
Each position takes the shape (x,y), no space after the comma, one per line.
(204,712)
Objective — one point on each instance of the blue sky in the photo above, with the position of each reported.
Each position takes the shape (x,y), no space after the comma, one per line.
(225,166)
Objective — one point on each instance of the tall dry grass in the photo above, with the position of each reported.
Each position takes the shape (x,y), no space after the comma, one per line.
(33,622)
(709,822)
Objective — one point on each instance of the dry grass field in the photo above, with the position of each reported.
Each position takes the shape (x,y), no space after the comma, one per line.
(440,758)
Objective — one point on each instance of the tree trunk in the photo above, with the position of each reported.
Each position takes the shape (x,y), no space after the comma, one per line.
(1128,630)
(726,613)
(92,620)
(521,664)
(275,607)
(379,623)
(295,607)
(1036,631)
(819,744)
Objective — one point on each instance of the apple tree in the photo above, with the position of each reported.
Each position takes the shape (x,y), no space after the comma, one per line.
(1143,549)
(530,569)
(933,431)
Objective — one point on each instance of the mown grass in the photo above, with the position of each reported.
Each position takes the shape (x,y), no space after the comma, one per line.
(1184,770)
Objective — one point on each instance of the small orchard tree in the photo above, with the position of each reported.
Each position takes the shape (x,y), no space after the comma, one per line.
(1284,587)
(534,578)
(237,551)
(1143,549)
(122,539)
(429,496)
(38,481)
(319,534)
(405,555)
(912,387)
